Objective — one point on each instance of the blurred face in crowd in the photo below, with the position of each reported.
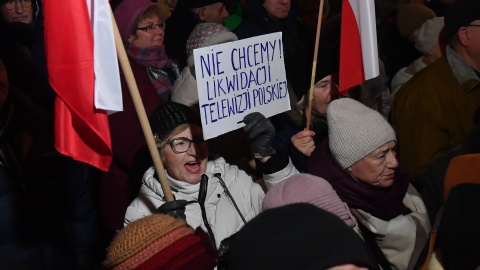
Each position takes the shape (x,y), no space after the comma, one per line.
(377,168)
(347,267)
(323,91)
(213,13)
(184,153)
(277,9)
(16,11)
(3,84)
(149,32)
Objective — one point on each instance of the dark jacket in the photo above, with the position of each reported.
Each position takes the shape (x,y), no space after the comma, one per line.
(298,41)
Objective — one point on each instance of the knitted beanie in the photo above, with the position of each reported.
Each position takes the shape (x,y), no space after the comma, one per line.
(160,242)
(461,13)
(411,16)
(207,34)
(128,13)
(306,188)
(296,236)
(354,131)
(428,34)
(169,116)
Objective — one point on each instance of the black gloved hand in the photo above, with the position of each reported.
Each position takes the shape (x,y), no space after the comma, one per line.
(175,208)
(260,132)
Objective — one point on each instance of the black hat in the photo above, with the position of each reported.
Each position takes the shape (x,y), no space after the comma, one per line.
(325,61)
(458,235)
(188,4)
(461,13)
(169,116)
(296,236)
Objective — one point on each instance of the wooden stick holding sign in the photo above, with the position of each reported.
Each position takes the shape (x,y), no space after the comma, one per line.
(140,109)
(314,67)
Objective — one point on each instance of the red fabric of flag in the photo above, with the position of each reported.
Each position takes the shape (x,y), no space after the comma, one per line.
(81,131)
(351,63)
(358,44)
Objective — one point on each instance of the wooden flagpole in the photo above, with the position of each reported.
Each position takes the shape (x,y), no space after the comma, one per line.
(314,67)
(142,115)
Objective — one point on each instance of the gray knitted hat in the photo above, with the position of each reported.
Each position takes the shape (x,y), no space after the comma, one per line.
(207,34)
(354,131)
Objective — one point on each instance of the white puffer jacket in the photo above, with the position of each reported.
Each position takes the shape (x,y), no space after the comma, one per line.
(221,214)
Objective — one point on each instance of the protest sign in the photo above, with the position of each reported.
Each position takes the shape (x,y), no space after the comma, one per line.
(237,78)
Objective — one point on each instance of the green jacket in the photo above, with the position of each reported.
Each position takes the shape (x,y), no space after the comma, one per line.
(434,111)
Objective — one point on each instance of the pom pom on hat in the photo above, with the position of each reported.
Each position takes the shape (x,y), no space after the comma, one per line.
(354,131)
(411,16)
(169,116)
(296,236)
(428,34)
(207,34)
(461,13)
(160,242)
(128,13)
(306,188)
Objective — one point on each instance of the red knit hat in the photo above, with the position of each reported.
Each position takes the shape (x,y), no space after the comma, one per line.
(160,242)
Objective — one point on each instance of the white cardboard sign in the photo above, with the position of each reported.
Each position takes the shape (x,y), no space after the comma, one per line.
(237,78)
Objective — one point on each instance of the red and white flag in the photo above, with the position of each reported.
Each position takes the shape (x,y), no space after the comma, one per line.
(358,44)
(81,130)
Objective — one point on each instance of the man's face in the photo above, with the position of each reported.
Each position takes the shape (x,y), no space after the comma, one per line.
(213,13)
(277,9)
(19,13)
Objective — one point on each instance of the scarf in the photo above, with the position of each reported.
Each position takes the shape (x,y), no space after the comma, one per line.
(156,61)
(383,203)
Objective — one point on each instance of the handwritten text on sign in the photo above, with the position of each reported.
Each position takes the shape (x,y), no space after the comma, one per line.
(237,78)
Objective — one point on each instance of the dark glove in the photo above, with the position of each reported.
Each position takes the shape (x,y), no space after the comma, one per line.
(260,132)
(175,208)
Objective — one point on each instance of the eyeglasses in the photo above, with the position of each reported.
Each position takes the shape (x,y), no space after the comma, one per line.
(12,4)
(182,144)
(152,27)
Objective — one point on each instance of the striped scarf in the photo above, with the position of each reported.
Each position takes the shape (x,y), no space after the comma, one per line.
(157,62)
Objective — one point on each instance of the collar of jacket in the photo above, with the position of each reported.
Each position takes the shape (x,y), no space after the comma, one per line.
(465,74)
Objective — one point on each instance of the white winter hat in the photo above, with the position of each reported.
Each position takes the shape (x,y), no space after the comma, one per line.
(428,34)
(207,34)
(354,131)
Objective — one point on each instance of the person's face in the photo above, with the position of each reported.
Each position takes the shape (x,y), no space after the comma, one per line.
(17,14)
(277,9)
(3,84)
(471,39)
(190,165)
(347,267)
(213,13)
(148,37)
(377,168)
(323,91)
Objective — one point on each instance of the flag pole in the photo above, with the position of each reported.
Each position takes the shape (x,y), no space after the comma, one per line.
(314,67)
(142,115)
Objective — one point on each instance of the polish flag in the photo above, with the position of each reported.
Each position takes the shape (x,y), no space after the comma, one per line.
(358,44)
(81,129)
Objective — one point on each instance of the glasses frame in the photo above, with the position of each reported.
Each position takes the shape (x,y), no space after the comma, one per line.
(152,27)
(22,2)
(172,145)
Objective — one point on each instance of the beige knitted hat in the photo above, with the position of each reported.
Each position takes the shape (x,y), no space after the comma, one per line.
(428,34)
(354,131)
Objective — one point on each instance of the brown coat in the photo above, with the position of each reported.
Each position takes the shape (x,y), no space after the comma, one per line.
(434,111)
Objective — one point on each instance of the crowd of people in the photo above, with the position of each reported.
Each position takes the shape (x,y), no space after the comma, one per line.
(372,183)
